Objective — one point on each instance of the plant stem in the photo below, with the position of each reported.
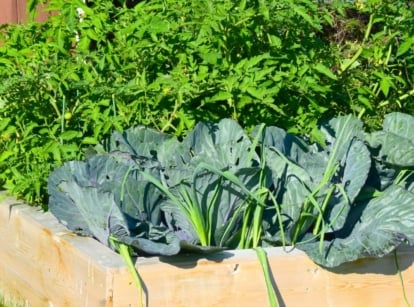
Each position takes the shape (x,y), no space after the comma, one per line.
(62,118)
(348,64)
(398,100)
(261,254)
(401,278)
(124,251)
(319,219)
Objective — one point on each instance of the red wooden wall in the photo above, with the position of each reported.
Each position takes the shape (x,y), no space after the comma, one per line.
(14,11)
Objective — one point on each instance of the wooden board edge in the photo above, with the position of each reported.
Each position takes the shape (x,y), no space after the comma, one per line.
(167,281)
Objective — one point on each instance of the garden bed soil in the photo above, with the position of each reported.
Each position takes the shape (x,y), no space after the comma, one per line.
(44,264)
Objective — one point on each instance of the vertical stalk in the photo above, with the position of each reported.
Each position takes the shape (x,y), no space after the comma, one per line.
(125,252)
(397,266)
(348,64)
(271,293)
(113,105)
(62,118)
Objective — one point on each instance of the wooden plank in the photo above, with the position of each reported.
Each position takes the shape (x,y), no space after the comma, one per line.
(14,11)
(8,11)
(235,279)
(42,13)
(44,263)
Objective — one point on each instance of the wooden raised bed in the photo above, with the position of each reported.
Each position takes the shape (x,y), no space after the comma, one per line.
(44,264)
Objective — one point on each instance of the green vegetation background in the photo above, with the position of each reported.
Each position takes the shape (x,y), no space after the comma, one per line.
(167,64)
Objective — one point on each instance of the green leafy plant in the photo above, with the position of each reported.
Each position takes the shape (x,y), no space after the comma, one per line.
(68,82)
(211,193)
(208,196)
(371,40)
(204,197)
(222,189)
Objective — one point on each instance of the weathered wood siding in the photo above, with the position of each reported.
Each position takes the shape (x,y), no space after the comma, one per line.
(14,11)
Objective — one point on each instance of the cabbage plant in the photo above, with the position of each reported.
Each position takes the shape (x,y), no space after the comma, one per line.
(220,187)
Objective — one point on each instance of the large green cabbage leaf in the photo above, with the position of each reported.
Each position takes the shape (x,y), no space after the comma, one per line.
(395,142)
(373,229)
(110,193)
(349,199)
(85,197)
(299,170)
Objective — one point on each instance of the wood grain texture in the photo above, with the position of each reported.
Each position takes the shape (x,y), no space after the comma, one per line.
(8,11)
(46,265)
(14,11)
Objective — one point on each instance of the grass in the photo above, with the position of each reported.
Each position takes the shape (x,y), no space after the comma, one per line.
(8,302)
